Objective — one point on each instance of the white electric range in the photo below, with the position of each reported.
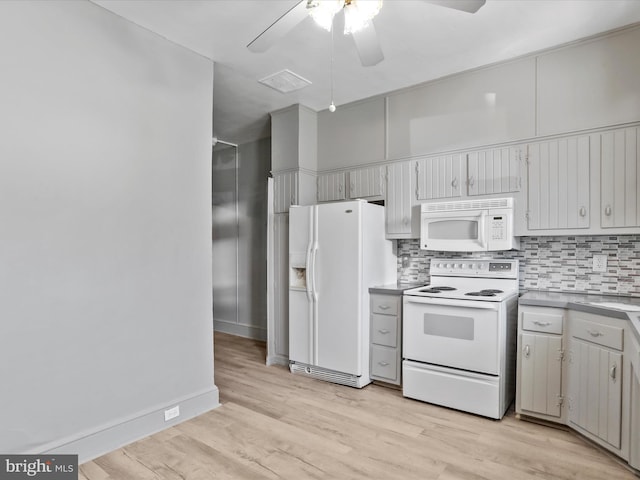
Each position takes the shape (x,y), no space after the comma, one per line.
(459,336)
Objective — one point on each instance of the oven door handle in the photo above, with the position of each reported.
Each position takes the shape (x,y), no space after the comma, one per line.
(453,303)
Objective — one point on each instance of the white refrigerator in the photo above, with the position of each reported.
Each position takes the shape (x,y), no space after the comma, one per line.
(336,252)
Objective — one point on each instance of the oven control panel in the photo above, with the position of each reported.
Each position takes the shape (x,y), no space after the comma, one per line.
(473,267)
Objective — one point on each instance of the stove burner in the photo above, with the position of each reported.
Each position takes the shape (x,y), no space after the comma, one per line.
(437,289)
(484,293)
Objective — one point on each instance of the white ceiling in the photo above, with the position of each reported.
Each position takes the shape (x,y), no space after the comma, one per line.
(420,42)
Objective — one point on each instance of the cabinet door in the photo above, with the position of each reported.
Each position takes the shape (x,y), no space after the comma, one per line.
(366,182)
(558,194)
(285,190)
(540,371)
(496,170)
(595,390)
(620,177)
(400,191)
(438,177)
(331,187)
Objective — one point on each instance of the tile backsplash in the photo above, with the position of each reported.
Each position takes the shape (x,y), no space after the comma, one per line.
(562,263)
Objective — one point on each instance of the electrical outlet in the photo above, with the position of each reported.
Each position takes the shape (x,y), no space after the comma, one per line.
(172,413)
(405,261)
(599,263)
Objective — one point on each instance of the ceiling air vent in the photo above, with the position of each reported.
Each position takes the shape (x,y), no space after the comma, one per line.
(285,81)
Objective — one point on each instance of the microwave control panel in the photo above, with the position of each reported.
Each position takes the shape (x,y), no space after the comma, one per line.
(498,227)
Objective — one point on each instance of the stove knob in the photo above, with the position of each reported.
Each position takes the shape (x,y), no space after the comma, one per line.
(448,265)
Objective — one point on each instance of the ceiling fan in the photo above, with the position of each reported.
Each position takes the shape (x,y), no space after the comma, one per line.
(357,15)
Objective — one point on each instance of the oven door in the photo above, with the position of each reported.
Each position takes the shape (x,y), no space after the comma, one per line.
(461,334)
(453,231)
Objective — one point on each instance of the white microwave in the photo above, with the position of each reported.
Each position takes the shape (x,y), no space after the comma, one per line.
(468,226)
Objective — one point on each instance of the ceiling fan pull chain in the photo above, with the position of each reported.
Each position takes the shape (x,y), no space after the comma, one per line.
(332,106)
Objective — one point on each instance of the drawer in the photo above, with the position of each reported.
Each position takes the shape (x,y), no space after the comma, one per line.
(384,330)
(384,363)
(542,322)
(606,335)
(385,304)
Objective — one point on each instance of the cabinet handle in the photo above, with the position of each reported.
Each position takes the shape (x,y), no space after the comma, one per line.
(383,307)
(352,185)
(471,181)
(454,183)
(612,372)
(527,351)
(607,210)
(583,212)
(340,188)
(384,331)
(594,333)
(405,221)
(293,200)
(541,324)
(383,364)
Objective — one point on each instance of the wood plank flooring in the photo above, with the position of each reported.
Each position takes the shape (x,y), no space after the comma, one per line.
(275,425)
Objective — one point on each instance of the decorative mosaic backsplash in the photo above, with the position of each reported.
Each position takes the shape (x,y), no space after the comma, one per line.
(551,263)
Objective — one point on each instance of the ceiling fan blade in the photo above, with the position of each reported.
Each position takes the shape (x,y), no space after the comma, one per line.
(368,47)
(470,6)
(279,28)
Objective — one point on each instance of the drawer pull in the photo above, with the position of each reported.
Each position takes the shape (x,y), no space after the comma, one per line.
(383,364)
(595,333)
(384,331)
(384,307)
(541,324)
(527,351)
(612,372)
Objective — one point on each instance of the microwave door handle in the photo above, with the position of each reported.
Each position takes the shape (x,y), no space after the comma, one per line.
(482,230)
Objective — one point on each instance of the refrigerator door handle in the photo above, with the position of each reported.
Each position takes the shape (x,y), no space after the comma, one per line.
(308,273)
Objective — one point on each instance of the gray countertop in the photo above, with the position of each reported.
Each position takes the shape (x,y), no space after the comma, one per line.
(394,288)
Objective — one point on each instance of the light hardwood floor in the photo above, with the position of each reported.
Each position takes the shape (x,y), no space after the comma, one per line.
(273,424)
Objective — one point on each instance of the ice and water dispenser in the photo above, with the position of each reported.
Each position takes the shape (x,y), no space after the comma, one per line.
(297,270)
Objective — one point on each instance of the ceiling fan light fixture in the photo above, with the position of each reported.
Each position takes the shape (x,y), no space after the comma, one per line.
(357,13)
(323,11)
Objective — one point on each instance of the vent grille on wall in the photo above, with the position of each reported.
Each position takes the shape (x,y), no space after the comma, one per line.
(468,205)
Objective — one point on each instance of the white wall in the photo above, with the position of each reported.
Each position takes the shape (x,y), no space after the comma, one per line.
(105,253)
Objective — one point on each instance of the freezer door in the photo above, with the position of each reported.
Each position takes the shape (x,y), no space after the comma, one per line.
(301,342)
(337,281)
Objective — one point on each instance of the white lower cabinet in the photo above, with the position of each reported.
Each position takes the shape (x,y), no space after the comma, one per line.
(632,352)
(581,370)
(385,334)
(595,379)
(540,362)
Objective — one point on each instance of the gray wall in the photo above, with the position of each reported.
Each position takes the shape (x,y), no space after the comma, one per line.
(105,279)
(239,296)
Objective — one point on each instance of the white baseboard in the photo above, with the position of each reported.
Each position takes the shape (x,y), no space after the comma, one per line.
(105,439)
(247,331)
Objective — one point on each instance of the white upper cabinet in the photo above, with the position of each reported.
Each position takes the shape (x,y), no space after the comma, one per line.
(331,187)
(481,107)
(558,190)
(399,202)
(439,177)
(366,182)
(620,177)
(589,85)
(496,170)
